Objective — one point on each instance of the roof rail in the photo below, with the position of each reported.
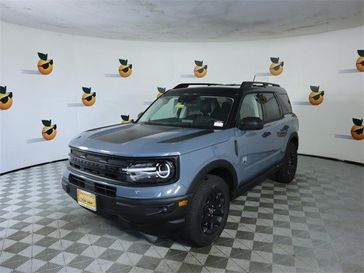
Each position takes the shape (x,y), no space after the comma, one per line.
(242,85)
(251,84)
(186,84)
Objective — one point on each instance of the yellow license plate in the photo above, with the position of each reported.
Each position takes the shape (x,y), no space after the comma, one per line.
(86,199)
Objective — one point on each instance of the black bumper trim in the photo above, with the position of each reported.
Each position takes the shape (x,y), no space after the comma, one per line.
(134,210)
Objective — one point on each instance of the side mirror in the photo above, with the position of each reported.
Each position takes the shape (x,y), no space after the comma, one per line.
(250,123)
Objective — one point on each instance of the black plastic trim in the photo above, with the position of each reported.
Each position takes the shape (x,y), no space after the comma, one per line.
(244,186)
(134,210)
(210,167)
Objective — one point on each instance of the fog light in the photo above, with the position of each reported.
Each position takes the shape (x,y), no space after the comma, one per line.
(182,203)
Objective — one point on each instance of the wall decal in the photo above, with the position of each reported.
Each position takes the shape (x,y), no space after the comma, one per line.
(125,69)
(276,68)
(316,96)
(125,119)
(161,91)
(88,97)
(45,66)
(360,61)
(200,69)
(49,131)
(6,98)
(357,130)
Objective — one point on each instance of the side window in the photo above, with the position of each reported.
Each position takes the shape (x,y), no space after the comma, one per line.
(285,103)
(271,109)
(251,107)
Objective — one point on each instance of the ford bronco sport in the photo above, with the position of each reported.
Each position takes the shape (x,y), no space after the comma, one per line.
(193,150)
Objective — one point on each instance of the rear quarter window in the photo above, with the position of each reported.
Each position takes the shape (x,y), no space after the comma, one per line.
(285,103)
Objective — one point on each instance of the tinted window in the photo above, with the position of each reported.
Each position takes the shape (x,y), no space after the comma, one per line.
(189,110)
(271,109)
(285,103)
(251,107)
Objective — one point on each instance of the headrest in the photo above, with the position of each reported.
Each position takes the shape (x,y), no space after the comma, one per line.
(225,107)
(205,107)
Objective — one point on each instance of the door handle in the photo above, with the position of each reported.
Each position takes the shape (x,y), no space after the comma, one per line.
(266,134)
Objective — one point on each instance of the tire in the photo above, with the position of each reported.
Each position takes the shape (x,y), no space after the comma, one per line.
(211,194)
(287,171)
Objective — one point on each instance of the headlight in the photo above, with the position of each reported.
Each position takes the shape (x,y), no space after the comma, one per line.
(150,171)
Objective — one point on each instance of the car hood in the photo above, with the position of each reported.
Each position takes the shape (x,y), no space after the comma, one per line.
(142,140)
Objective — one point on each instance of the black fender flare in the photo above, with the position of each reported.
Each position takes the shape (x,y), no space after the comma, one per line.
(217,164)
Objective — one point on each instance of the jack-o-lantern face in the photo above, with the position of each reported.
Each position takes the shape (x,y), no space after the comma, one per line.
(360,61)
(316,96)
(161,91)
(200,69)
(125,119)
(88,97)
(6,98)
(45,66)
(357,130)
(276,68)
(125,69)
(49,131)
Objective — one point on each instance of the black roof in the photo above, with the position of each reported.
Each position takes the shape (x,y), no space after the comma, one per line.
(227,89)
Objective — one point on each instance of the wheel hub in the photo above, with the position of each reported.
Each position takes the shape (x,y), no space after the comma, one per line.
(212,212)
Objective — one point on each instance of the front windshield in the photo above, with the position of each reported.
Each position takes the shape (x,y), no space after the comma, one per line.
(189,110)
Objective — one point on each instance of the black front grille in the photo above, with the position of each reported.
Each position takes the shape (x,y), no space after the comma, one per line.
(105,189)
(75,180)
(99,165)
(95,187)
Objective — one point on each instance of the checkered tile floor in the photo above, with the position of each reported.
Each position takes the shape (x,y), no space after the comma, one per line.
(315,224)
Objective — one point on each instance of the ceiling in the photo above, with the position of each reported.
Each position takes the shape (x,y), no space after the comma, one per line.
(184,20)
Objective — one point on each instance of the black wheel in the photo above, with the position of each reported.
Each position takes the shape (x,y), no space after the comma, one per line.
(208,212)
(287,171)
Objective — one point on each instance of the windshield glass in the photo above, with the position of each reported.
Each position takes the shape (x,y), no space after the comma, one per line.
(189,110)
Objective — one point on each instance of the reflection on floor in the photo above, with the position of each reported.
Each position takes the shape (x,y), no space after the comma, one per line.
(315,224)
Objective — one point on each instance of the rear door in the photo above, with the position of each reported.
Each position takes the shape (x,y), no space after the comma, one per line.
(275,127)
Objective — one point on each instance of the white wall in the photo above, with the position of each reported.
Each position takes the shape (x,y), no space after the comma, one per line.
(83,61)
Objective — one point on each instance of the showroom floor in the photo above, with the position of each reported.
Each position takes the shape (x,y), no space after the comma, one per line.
(315,224)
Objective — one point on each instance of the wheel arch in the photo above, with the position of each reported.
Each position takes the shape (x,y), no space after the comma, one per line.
(293,138)
(221,168)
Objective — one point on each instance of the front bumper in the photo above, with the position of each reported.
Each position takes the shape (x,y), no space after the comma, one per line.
(133,210)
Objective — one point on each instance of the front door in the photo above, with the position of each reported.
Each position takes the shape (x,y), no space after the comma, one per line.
(254,147)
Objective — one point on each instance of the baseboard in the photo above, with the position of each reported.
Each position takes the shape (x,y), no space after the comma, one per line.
(334,159)
(31,166)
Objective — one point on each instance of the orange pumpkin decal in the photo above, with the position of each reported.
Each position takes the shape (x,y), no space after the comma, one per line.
(125,69)
(88,97)
(357,130)
(161,91)
(125,119)
(6,98)
(200,69)
(360,61)
(276,68)
(49,131)
(44,65)
(316,96)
